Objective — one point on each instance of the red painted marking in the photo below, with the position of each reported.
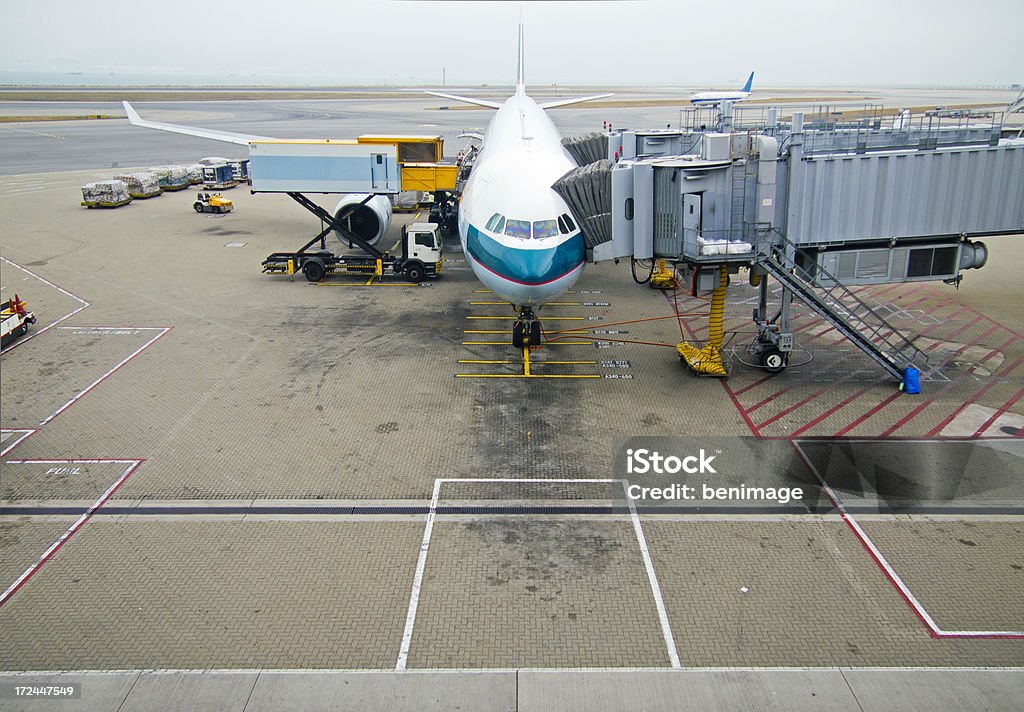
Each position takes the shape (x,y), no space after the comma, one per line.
(742,412)
(867,415)
(904,307)
(949,319)
(974,398)
(932,631)
(769,399)
(29,432)
(107,375)
(77,526)
(997,349)
(949,418)
(755,384)
(830,411)
(842,513)
(999,411)
(728,390)
(917,411)
(808,325)
(987,333)
(790,409)
(892,287)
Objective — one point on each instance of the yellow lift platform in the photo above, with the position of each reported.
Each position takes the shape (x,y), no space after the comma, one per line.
(419,159)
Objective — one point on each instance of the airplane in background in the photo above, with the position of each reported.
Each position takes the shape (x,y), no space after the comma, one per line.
(714,97)
(518,234)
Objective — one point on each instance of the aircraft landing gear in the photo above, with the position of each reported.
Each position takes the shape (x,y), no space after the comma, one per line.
(526,330)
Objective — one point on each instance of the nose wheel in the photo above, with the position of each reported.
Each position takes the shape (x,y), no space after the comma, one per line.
(526,330)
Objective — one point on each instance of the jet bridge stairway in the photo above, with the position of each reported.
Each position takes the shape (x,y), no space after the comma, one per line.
(850,315)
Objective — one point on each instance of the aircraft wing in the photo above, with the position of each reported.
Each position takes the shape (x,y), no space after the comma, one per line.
(467,100)
(576,100)
(135,120)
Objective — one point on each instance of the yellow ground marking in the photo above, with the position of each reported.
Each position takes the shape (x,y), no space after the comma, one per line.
(367,284)
(509,343)
(548,304)
(520,375)
(509,361)
(547,318)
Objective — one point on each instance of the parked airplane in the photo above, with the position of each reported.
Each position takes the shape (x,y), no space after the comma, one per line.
(714,97)
(518,234)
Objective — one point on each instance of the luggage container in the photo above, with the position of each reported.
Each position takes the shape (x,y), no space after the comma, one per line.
(141,185)
(105,194)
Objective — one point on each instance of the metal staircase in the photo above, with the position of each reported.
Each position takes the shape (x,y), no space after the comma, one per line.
(851,316)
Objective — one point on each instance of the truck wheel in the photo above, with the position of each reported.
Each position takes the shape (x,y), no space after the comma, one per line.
(314,271)
(773,360)
(198,207)
(21,330)
(414,273)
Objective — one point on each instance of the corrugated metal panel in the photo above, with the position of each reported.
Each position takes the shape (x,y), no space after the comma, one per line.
(904,194)
(668,202)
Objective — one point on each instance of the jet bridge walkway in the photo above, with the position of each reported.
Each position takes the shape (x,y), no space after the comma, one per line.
(820,207)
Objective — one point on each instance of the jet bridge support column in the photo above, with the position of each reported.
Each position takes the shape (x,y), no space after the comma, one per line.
(775,339)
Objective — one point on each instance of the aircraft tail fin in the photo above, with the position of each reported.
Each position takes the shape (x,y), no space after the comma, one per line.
(750,83)
(520,65)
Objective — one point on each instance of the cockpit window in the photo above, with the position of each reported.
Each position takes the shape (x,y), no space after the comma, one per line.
(569,224)
(500,227)
(545,228)
(518,228)
(493,221)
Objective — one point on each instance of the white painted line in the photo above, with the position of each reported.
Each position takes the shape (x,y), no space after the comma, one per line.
(659,601)
(52,549)
(417,581)
(35,333)
(113,328)
(890,572)
(163,330)
(525,479)
(485,671)
(410,618)
(25,433)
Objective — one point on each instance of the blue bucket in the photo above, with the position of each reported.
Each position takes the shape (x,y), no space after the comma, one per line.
(911,380)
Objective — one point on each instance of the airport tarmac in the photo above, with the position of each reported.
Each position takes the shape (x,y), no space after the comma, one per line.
(209,468)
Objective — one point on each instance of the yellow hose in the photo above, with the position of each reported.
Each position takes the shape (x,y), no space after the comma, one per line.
(716,322)
(708,360)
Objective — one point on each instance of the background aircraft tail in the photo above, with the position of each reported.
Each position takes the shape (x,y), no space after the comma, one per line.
(750,83)
(520,66)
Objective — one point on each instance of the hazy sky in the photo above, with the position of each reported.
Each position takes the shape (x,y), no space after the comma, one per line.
(934,42)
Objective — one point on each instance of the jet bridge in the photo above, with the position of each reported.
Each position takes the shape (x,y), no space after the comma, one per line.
(819,205)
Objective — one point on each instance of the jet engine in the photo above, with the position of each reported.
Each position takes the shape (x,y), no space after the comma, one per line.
(370,221)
